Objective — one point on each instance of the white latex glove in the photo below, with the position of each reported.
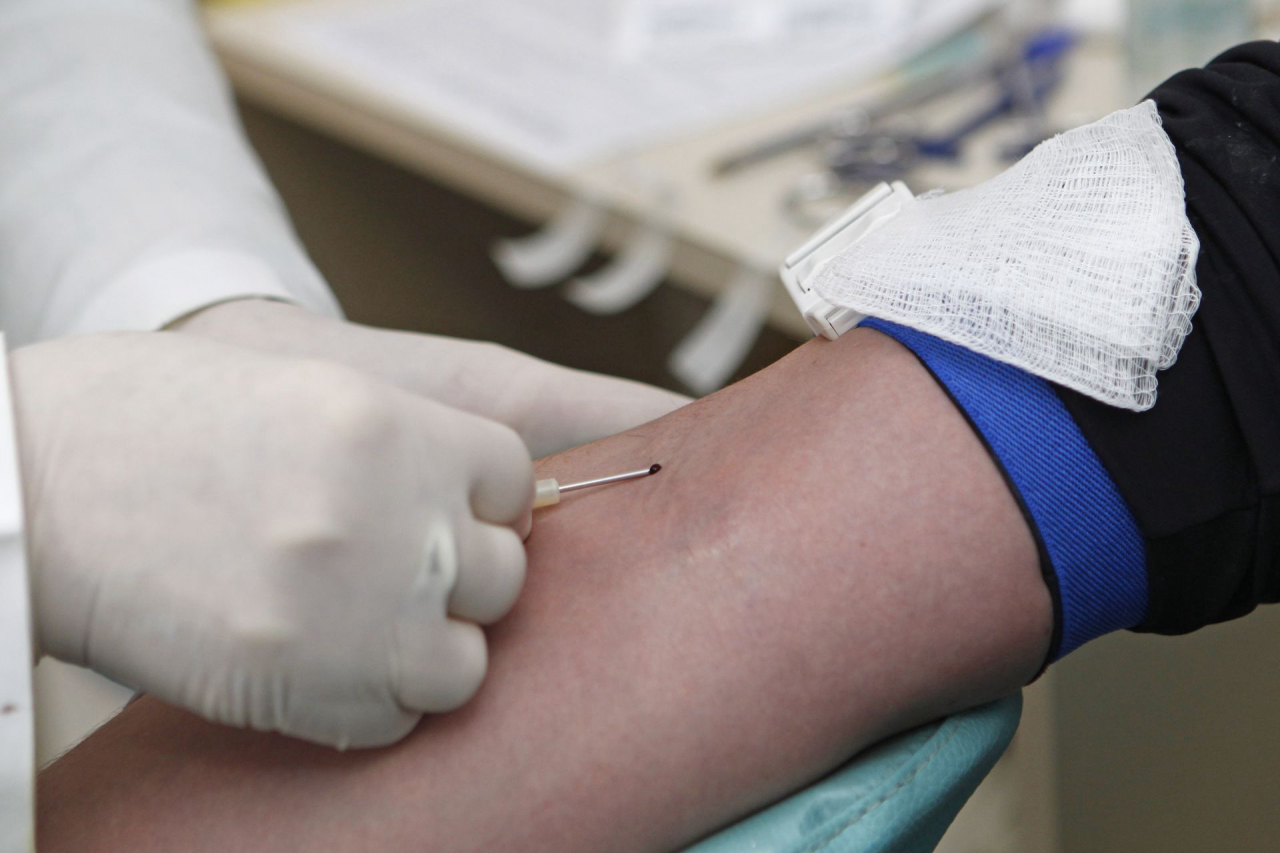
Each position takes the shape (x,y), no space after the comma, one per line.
(552,407)
(269,542)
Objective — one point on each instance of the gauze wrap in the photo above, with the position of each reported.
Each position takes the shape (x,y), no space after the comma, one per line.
(1077,264)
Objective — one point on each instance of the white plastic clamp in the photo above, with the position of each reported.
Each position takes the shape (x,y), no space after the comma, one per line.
(863,217)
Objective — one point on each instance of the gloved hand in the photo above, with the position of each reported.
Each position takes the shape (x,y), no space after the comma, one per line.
(277,543)
(552,407)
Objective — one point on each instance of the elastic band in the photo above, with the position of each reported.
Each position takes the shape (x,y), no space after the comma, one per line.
(1095,555)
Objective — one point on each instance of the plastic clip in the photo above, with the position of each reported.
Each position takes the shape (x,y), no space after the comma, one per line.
(863,217)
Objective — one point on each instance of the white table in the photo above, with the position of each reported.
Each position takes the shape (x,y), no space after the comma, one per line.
(718,224)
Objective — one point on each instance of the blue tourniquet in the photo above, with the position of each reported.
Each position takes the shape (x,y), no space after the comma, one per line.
(1092,553)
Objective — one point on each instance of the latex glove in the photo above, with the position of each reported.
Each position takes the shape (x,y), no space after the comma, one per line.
(552,407)
(275,543)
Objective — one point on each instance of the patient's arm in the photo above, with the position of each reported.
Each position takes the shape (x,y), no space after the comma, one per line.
(827,556)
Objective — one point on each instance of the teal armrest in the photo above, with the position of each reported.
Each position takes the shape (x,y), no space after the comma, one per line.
(897,797)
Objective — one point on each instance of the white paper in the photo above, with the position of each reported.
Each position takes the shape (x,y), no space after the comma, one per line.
(551,253)
(717,346)
(554,84)
(631,276)
(652,28)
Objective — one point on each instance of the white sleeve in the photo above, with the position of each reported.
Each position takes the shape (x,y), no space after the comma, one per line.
(17,729)
(128,193)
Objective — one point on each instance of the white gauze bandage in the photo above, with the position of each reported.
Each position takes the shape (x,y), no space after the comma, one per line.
(1077,264)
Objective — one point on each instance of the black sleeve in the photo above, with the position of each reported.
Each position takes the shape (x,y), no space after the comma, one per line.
(1201,470)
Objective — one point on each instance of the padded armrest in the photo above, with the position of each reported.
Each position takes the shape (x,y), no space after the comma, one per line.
(897,797)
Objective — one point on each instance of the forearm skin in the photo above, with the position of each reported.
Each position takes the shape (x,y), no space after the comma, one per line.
(829,555)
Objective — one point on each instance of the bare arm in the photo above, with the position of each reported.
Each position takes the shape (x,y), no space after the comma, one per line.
(829,555)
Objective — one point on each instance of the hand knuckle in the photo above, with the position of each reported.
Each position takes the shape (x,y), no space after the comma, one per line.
(263,637)
(349,410)
(506,445)
(314,542)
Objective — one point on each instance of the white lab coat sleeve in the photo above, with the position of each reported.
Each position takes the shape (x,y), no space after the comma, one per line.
(17,729)
(128,193)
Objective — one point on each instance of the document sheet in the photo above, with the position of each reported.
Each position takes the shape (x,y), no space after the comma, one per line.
(555,84)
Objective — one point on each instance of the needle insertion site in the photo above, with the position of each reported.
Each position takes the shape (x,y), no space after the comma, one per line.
(548,491)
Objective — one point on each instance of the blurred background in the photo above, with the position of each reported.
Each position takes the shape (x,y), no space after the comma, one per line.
(612,184)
